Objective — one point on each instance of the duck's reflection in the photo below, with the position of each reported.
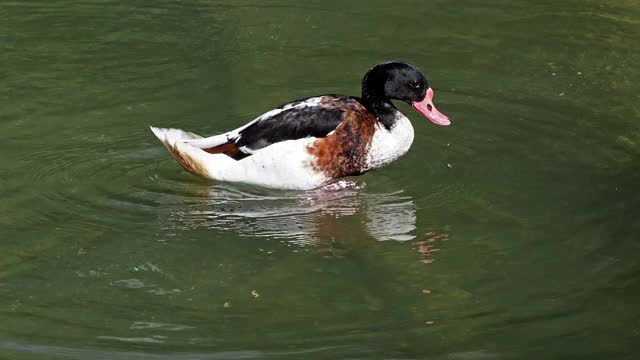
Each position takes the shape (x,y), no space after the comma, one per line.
(429,245)
(303,218)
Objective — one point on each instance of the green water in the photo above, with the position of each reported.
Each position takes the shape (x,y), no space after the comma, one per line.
(512,234)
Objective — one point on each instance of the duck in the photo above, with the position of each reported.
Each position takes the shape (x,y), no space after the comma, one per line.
(317,141)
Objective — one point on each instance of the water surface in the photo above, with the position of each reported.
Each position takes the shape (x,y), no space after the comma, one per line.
(511,234)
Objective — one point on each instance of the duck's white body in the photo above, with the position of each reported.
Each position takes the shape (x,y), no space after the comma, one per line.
(284,165)
(308,143)
(389,145)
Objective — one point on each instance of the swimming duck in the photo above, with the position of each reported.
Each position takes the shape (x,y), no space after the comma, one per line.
(310,143)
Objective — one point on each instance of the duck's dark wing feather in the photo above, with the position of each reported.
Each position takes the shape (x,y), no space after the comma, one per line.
(311,117)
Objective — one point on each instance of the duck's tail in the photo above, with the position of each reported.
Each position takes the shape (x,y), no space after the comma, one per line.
(191,158)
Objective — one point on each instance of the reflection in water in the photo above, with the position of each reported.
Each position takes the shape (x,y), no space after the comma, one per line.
(430,245)
(302,218)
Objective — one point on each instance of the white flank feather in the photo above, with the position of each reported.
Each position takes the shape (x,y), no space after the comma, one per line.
(284,165)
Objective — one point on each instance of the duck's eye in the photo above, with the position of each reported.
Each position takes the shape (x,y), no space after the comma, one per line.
(414,84)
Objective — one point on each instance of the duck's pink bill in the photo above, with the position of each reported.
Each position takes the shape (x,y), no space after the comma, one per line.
(426,108)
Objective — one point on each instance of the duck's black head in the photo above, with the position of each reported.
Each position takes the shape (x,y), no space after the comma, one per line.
(399,81)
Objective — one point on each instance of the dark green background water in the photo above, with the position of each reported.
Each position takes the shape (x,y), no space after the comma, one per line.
(513,234)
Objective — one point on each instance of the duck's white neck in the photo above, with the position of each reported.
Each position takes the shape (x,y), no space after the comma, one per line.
(388,145)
